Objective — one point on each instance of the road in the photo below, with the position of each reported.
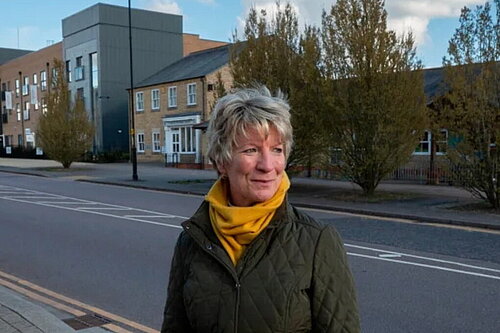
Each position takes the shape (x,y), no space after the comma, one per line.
(110,248)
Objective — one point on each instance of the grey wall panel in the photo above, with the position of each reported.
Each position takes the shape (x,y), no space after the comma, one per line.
(157,42)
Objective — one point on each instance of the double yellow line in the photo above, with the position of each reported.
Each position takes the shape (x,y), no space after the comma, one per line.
(68,305)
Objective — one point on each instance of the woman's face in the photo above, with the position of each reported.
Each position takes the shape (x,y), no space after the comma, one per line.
(256,168)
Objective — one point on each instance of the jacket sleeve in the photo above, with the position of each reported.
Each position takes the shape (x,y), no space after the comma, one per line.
(174,317)
(334,306)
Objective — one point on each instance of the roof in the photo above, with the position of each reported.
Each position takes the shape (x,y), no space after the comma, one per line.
(196,64)
(9,54)
(434,83)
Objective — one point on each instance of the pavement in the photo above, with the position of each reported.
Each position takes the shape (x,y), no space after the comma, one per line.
(438,204)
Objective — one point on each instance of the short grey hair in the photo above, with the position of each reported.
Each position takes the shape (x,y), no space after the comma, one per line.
(247,108)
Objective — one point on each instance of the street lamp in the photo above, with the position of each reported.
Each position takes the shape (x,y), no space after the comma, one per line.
(133,149)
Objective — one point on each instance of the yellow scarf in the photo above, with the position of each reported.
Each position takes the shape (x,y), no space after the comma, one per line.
(236,227)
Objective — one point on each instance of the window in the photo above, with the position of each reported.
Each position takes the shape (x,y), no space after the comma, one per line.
(35,79)
(188,140)
(191,94)
(424,147)
(175,140)
(156,142)
(441,142)
(17,87)
(94,67)
(44,105)
(79,69)
(18,111)
(26,84)
(26,111)
(55,77)
(140,142)
(43,80)
(19,139)
(155,99)
(172,97)
(5,115)
(79,95)
(68,70)
(139,101)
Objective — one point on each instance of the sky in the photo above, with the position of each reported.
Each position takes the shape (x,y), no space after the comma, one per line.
(34,24)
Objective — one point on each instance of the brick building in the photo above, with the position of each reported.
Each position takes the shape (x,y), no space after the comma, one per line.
(24,81)
(172,105)
(95,50)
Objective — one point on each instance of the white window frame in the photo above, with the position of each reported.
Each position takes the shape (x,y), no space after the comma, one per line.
(155,100)
(191,95)
(43,80)
(172,97)
(156,142)
(141,145)
(428,135)
(425,140)
(26,110)
(26,84)
(187,140)
(139,101)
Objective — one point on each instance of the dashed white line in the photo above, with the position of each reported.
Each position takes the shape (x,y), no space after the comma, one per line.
(426,266)
(423,258)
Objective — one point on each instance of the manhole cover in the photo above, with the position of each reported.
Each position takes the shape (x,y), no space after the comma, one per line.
(86,321)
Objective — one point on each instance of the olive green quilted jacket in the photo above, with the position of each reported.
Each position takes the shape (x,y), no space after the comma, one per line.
(294,277)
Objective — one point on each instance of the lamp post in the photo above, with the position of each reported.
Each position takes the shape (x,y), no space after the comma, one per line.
(133,148)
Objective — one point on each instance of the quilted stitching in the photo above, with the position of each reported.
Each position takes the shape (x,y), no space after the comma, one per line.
(294,276)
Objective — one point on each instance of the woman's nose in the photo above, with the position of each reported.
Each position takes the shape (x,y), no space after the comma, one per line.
(265,162)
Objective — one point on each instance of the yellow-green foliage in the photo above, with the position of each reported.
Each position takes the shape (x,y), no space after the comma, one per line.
(64,131)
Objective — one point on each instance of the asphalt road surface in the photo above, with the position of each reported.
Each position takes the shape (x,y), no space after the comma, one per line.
(110,247)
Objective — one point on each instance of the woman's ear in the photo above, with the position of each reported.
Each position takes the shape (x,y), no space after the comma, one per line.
(221,170)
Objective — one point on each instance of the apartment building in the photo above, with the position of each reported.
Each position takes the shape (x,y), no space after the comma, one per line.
(24,81)
(172,106)
(95,51)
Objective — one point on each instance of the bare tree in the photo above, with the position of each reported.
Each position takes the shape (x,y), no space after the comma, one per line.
(64,131)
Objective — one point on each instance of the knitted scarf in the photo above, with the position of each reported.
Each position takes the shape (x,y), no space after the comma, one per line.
(236,227)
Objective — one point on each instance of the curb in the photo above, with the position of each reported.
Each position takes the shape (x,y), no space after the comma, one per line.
(416,218)
(27,173)
(333,208)
(33,313)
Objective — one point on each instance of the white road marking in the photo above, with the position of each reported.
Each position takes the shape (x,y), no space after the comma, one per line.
(389,255)
(383,255)
(423,258)
(94,207)
(426,266)
(103,208)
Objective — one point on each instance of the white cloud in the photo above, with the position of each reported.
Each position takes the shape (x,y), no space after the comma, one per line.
(164,6)
(415,15)
(403,16)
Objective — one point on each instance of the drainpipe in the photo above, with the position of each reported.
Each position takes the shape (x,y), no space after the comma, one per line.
(22,108)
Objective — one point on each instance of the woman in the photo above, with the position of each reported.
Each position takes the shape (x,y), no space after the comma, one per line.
(247,261)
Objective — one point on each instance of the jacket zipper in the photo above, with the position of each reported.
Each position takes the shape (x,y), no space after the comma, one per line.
(232,271)
(237,308)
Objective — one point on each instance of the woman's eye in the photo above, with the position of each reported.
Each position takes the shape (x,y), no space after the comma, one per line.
(250,150)
(278,150)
